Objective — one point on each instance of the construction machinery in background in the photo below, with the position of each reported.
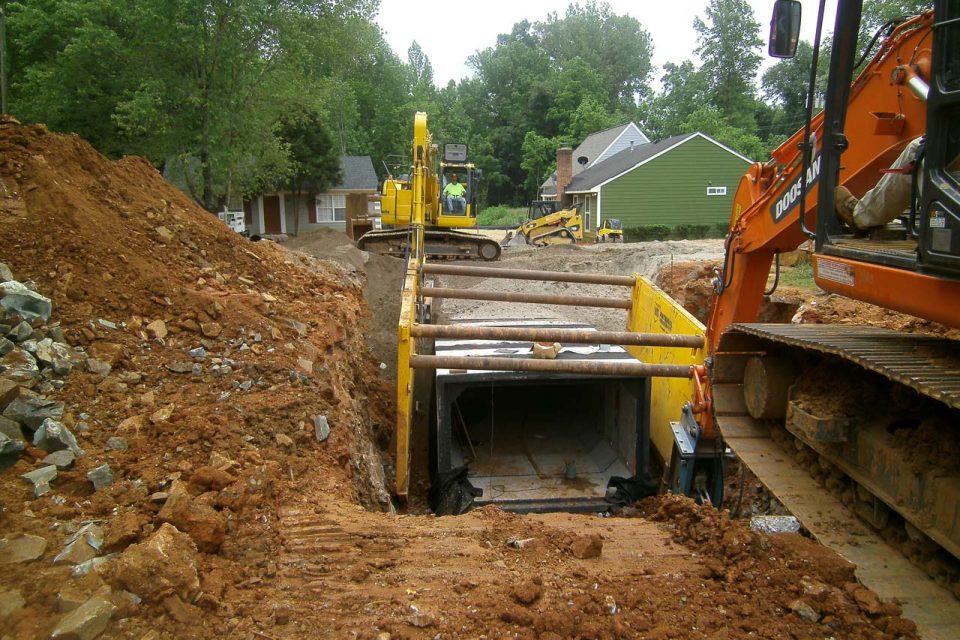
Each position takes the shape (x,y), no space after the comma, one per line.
(547,224)
(442,215)
(610,231)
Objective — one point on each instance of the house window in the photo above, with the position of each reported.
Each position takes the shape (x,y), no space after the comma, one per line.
(716,191)
(331,208)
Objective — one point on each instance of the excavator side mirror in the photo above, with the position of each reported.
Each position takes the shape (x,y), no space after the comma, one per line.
(784,29)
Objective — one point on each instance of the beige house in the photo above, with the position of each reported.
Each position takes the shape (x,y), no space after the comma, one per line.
(276,213)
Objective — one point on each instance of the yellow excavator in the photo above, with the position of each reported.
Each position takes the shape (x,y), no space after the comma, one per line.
(547,223)
(446,196)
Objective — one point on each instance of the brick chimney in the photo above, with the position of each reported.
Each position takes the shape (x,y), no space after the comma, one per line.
(564,174)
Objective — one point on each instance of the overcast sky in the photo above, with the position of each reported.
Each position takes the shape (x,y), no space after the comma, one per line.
(450,32)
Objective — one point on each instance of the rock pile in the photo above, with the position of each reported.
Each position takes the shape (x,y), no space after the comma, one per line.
(160,381)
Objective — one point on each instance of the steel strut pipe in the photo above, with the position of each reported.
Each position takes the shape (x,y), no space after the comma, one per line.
(436,268)
(556,334)
(518,296)
(588,367)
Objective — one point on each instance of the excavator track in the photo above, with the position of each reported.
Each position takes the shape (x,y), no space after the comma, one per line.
(438,243)
(869,485)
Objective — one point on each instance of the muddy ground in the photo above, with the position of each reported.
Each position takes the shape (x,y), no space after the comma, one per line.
(235,392)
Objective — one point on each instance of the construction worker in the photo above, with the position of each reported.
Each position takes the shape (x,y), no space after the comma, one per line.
(885,201)
(455,195)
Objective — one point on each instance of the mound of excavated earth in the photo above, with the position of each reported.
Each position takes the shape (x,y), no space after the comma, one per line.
(191,448)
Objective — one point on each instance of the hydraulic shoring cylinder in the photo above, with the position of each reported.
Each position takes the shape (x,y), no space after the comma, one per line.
(535,298)
(435,268)
(556,334)
(587,367)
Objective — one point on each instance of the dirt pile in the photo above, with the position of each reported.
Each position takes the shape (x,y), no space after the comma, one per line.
(206,364)
(691,284)
(804,582)
(382,282)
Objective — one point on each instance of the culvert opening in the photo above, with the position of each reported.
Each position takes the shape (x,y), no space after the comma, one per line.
(542,442)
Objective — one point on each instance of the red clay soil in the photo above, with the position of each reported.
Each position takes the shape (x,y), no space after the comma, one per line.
(230,520)
(691,284)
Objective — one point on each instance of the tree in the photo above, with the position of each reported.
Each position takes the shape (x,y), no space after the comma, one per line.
(728,43)
(684,91)
(314,161)
(708,119)
(538,159)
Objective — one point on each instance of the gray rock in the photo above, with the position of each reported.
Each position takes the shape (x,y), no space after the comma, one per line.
(11,429)
(298,326)
(6,346)
(84,568)
(180,367)
(101,476)
(31,409)
(130,377)
(87,621)
(321,428)
(52,436)
(107,324)
(21,332)
(5,274)
(196,369)
(9,451)
(117,443)
(82,546)
(199,353)
(62,459)
(10,600)
(41,479)
(27,304)
(56,332)
(21,367)
(775,524)
(21,549)
(804,611)
(245,385)
(56,355)
(98,367)
(30,346)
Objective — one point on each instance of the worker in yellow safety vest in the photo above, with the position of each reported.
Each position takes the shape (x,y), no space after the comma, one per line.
(455,196)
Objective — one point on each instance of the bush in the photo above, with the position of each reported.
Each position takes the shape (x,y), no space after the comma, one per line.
(682,231)
(678,232)
(501,215)
(647,232)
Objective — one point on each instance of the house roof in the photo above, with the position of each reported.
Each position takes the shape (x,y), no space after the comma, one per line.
(591,148)
(358,174)
(628,159)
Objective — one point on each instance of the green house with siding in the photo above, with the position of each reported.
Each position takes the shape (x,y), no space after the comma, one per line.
(687,179)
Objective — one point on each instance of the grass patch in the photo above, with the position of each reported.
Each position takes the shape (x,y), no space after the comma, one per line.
(501,215)
(800,276)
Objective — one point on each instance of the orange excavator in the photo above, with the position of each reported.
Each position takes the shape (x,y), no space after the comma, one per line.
(873,414)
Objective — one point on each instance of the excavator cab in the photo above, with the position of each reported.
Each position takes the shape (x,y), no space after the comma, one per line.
(894,146)
(457,203)
(925,237)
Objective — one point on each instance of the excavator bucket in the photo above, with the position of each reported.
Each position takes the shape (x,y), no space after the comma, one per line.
(514,239)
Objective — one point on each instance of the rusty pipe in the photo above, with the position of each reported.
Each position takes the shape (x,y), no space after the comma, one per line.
(587,367)
(518,296)
(436,268)
(556,334)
